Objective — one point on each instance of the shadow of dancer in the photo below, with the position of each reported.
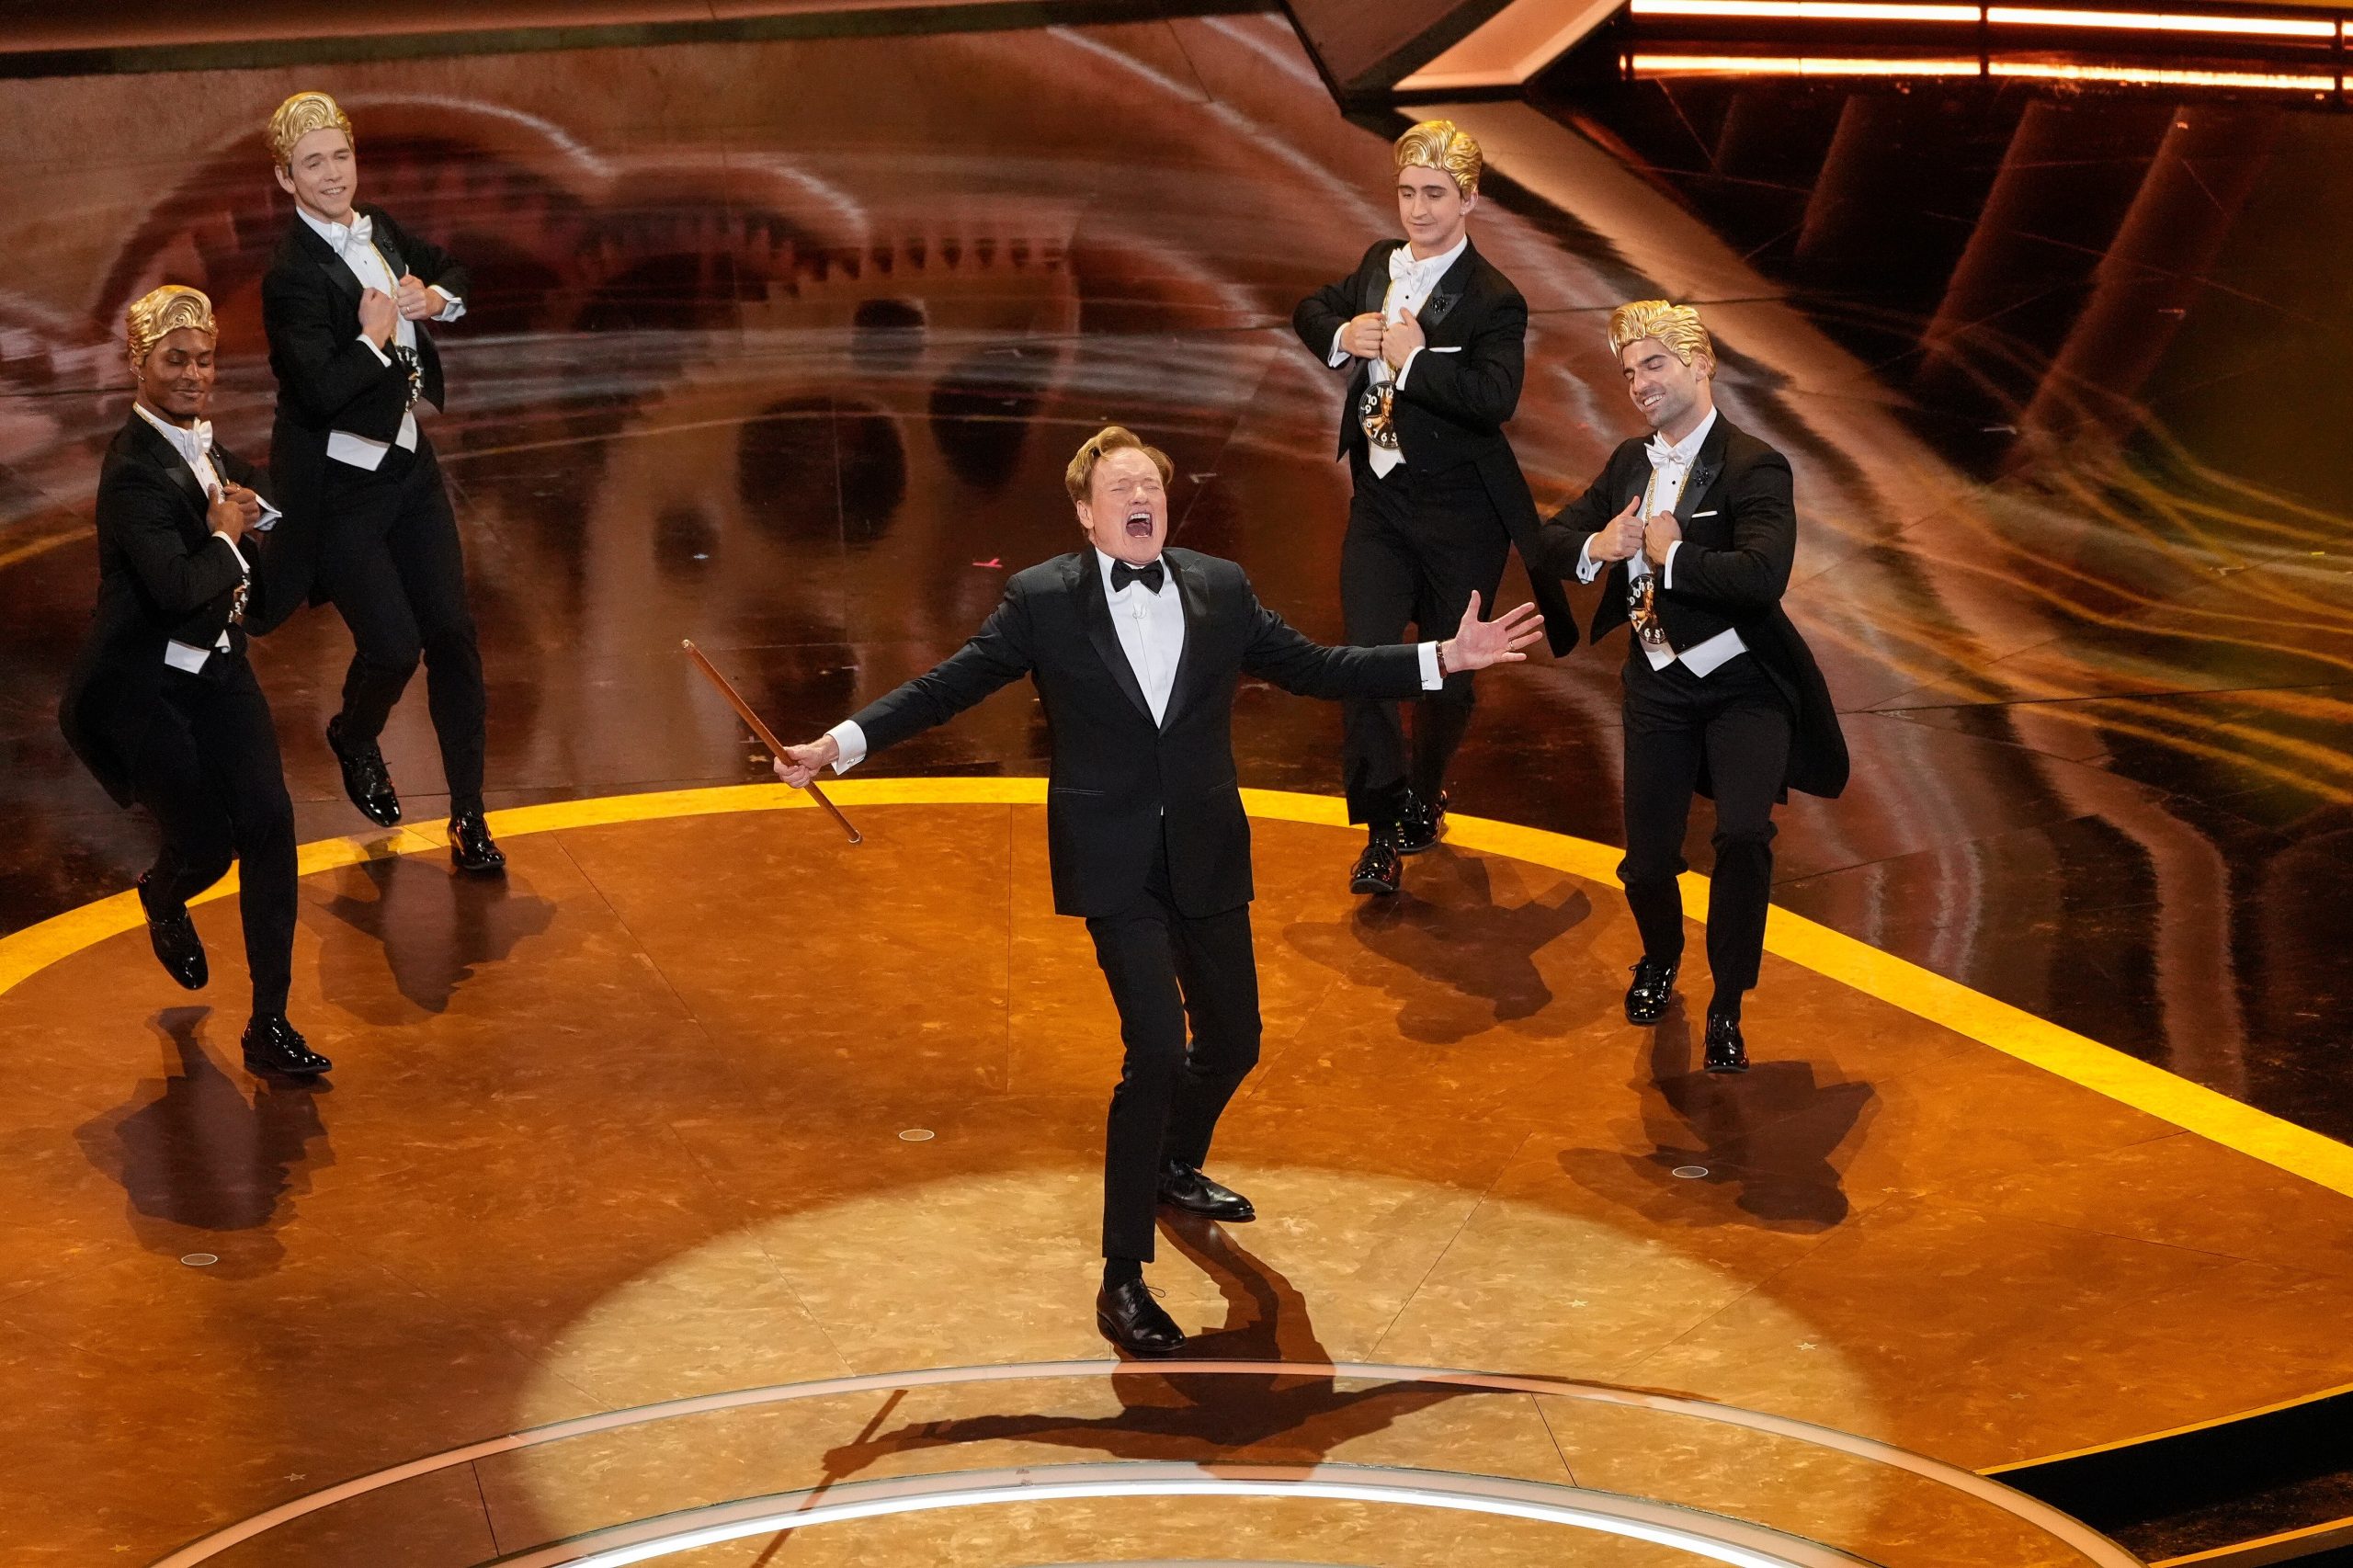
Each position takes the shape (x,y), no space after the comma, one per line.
(435,928)
(1449,942)
(1285,1417)
(193,1154)
(1766,1140)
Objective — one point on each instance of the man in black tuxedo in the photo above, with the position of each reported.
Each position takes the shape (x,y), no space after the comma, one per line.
(347,300)
(1431,337)
(162,706)
(1696,529)
(1136,651)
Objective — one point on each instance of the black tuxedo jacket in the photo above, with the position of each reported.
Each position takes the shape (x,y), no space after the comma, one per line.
(328,380)
(1740,534)
(162,577)
(1116,780)
(1463,388)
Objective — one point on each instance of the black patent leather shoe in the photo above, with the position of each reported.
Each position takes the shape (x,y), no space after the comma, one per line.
(365,777)
(1653,987)
(1420,823)
(471,847)
(1132,1321)
(1377,870)
(1727,1052)
(273,1046)
(1182,1186)
(177,946)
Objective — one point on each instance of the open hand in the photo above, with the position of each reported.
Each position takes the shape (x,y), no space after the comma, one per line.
(1362,335)
(1397,344)
(799,765)
(1618,539)
(417,301)
(1659,533)
(1477,643)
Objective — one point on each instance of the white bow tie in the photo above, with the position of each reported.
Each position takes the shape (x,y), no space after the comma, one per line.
(1663,454)
(1404,268)
(361,231)
(193,442)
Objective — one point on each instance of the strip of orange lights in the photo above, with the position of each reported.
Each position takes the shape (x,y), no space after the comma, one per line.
(1826,65)
(1998,16)
(2141,21)
(1793,65)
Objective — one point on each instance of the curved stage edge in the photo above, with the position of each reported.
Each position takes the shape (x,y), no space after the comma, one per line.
(1833,954)
(1902,1233)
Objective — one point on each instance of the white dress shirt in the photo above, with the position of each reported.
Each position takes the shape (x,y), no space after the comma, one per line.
(1671,465)
(194,445)
(356,243)
(1152,634)
(1411,283)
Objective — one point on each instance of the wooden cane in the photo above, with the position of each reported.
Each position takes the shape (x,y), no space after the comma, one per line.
(767,736)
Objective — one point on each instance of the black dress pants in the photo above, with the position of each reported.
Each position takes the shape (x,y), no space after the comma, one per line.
(388,558)
(1736,722)
(208,772)
(1418,546)
(1166,968)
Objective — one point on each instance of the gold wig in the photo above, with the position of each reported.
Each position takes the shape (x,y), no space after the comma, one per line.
(300,115)
(154,316)
(1678,327)
(1436,144)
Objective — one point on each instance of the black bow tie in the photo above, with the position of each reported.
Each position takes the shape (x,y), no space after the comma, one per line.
(1151,576)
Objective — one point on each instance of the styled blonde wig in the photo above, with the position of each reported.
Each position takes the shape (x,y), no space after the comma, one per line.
(297,116)
(1436,144)
(154,316)
(1079,477)
(1678,327)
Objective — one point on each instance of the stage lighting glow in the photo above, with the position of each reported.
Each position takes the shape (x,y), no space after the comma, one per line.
(1810,10)
(2146,21)
(1794,65)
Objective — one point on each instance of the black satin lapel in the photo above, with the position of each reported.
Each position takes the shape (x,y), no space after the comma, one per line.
(166,456)
(346,282)
(1450,288)
(1095,614)
(1703,476)
(1705,472)
(1194,595)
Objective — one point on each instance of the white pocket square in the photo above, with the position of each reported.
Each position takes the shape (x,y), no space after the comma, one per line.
(1696,515)
(1457,349)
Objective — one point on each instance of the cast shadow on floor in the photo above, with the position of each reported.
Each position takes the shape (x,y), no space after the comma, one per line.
(1768,1140)
(1456,960)
(437,927)
(205,1168)
(1281,1418)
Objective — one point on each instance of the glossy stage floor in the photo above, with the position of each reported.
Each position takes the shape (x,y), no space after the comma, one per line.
(660,1189)
(613,1137)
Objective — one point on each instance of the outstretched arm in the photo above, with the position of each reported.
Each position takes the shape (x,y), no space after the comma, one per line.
(999,654)
(1279,653)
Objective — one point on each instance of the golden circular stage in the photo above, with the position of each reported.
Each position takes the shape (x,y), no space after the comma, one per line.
(713,1191)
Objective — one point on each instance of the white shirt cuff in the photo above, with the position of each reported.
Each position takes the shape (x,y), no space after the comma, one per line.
(452,308)
(1667,572)
(242,565)
(1431,679)
(378,352)
(1588,567)
(1339,355)
(269,515)
(852,739)
(1407,368)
